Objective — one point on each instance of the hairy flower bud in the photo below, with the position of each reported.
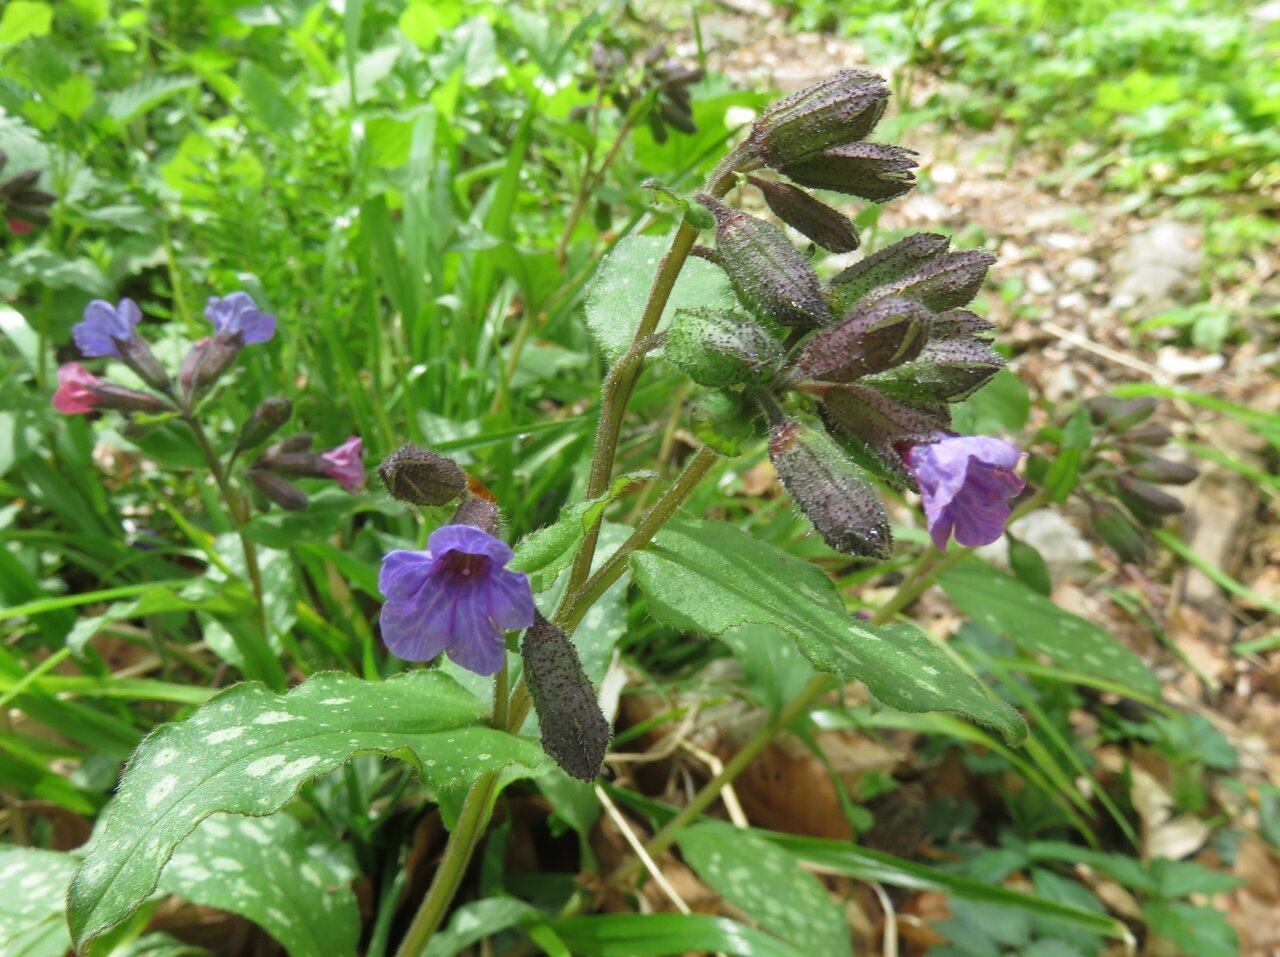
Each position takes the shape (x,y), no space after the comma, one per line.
(871,171)
(1152,435)
(1149,505)
(841,109)
(206,363)
(1118,532)
(137,355)
(723,421)
(886,266)
(263,422)
(1120,415)
(302,464)
(421,477)
(1152,468)
(827,227)
(479,512)
(871,427)
(866,341)
(830,490)
(957,323)
(284,494)
(715,347)
(947,370)
(770,276)
(574,730)
(944,282)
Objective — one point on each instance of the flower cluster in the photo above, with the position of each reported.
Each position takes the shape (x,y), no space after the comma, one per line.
(878,353)
(665,79)
(111,331)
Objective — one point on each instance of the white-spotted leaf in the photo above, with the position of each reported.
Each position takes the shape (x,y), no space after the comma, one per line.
(620,288)
(710,577)
(247,751)
(1033,622)
(766,882)
(262,869)
(32,887)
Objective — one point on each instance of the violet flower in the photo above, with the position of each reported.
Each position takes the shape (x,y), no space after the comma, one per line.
(966,482)
(457,597)
(343,464)
(75,393)
(106,326)
(239,314)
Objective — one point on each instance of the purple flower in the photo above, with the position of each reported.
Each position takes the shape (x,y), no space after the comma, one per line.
(105,326)
(75,393)
(966,482)
(457,597)
(343,464)
(238,313)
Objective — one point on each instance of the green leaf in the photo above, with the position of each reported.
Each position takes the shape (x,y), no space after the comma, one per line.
(1036,624)
(133,101)
(265,100)
(73,96)
(32,886)
(1196,930)
(653,935)
(710,577)
(23,19)
(262,869)
(620,289)
(765,881)
(248,750)
(477,920)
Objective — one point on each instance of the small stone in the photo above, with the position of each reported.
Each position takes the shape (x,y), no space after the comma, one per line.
(1082,270)
(1159,266)
(1176,364)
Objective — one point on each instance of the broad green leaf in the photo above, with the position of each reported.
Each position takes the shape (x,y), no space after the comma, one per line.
(248,750)
(710,577)
(73,96)
(32,886)
(262,869)
(765,881)
(653,935)
(620,289)
(133,101)
(1201,931)
(1036,624)
(22,19)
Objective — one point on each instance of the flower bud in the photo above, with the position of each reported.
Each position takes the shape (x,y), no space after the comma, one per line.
(716,347)
(830,491)
(948,370)
(574,730)
(479,512)
(943,282)
(421,477)
(1149,505)
(263,422)
(871,171)
(866,341)
(957,323)
(1152,468)
(1153,435)
(827,227)
(841,109)
(1118,532)
(117,397)
(301,464)
(283,493)
(723,420)
(298,442)
(884,267)
(769,275)
(207,362)
(1120,415)
(871,426)
(137,355)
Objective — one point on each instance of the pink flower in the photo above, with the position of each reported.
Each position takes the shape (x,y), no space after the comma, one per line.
(76,392)
(343,464)
(966,482)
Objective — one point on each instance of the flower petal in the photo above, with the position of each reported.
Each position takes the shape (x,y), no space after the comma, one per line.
(413,630)
(471,540)
(404,573)
(510,599)
(96,335)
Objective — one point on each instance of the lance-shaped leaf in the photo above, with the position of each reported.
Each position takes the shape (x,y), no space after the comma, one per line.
(866,341)
(248,750)
(33,884)
(827,227)
(709,577)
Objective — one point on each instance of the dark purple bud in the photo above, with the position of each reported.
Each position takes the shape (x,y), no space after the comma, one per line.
(958,323)
(284,494)
(1123,537)
(884,267)
(654,54)
(723,420)
(871,171)
(827,227)
(421,477)
(19,183)
(1152,468)
(657,127)
(1120,415)
(298,442)
(1153,435)
(301,464)
(117,397)
(944,282)
(830,491)
(870,426)
(716,347)
(948,370)
(264,422)
(207,362)
(574,730)
(866,341)
(769,275)
(137,355)
(841,109)
(479,512)
(678,116)
(1149,505)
